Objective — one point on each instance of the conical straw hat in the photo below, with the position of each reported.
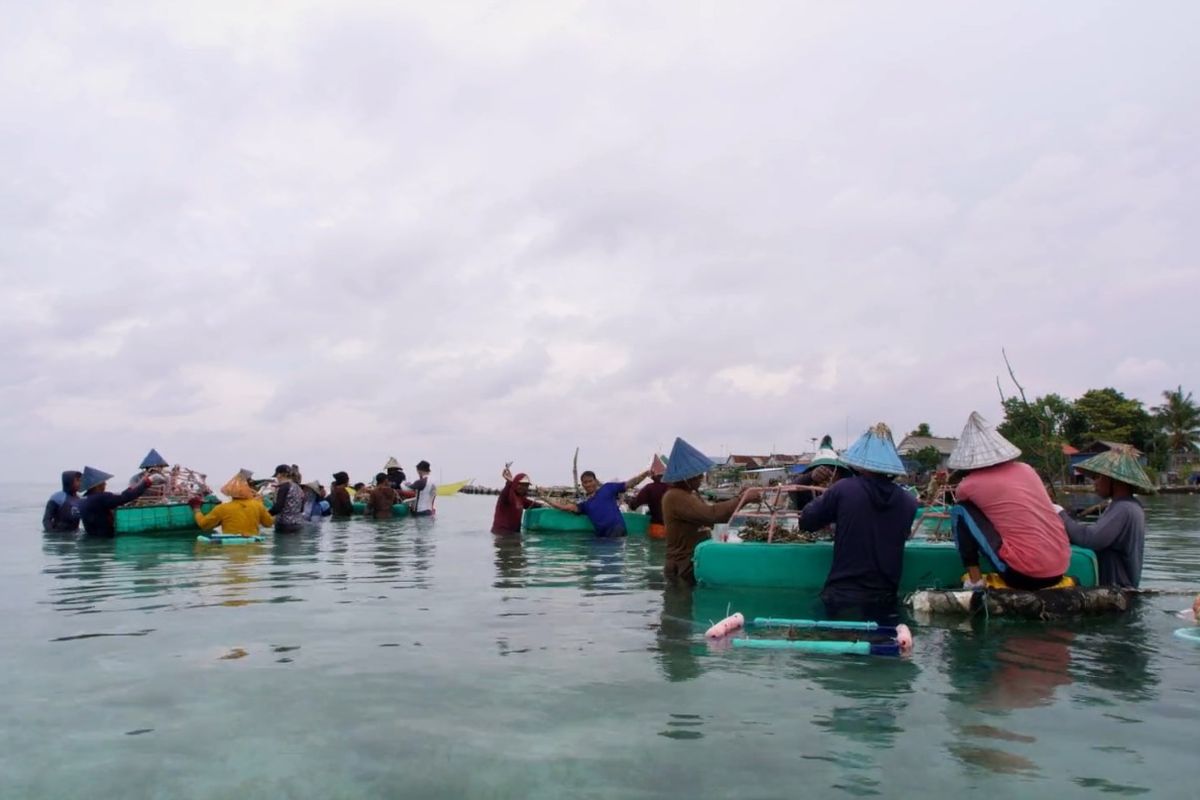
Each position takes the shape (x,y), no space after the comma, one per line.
(1120,464)
(981,446)
(238,487)
(875,452)
(93,477)
(658,465)
(392,463)
(685,462)
(153,459)
(826,456)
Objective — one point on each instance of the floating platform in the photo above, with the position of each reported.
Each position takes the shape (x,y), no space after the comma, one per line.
(551,520)
(222,539)
(1018,604)
(169,518)
(927,565)
(398,510)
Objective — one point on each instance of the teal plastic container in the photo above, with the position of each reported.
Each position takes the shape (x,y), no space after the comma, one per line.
(398,510)
(551,520)
(174,518)
(927,565)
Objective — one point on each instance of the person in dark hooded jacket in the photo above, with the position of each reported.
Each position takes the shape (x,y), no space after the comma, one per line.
(96,510)
(873,518)
(62,509)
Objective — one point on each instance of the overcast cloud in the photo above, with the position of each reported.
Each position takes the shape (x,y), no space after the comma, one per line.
(327,233)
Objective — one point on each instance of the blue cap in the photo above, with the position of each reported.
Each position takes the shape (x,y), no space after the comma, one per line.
(153,459)
(93,477)
(875,452)
(686,462)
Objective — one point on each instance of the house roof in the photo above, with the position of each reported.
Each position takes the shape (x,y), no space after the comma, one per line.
(1069,451)
(1101,446)
(911,444)
(744,461)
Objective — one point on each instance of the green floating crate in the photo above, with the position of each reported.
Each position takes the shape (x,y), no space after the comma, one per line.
(398,510)
(927,565)
(551,520)
(176,517)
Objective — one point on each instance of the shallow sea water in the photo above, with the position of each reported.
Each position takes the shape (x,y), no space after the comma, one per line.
(422,658)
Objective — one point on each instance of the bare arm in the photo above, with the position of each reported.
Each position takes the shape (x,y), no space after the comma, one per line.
(636,479)
(571,507)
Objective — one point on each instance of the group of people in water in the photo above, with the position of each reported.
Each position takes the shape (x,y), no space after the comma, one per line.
(84,500)
(1002,510)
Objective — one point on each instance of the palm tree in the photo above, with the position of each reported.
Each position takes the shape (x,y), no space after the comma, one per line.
(1179,419)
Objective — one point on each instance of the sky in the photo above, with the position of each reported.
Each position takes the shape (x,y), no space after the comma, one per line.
(247,233)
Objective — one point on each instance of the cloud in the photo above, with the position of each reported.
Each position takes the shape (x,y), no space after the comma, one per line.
(257,232)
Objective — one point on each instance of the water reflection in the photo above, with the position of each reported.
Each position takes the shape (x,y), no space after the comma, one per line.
(677,649)
(878,690)
(510,562)
(1002,668)
(1120,656)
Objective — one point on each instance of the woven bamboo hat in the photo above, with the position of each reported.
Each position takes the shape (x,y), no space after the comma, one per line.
(981,446)
(685,462)
(153,459)
(1120,464)
(238,487)
(392,463)
(826,456)
(875,452)
(93,477)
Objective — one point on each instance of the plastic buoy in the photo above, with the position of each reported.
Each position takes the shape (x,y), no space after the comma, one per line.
(726,626)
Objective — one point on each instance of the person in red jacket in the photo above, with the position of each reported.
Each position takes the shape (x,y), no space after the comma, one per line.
(511,504)
(651,496)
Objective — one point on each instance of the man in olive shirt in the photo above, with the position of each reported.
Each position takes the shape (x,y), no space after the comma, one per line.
(686,515)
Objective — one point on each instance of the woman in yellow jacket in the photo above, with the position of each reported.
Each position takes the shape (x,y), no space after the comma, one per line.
(241,516)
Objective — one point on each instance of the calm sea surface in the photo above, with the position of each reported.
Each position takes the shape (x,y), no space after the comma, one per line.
(423,658)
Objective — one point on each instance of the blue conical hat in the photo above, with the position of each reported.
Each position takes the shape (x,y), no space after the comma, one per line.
(875,452)
(685,462)
(826,456)
(153,459)
(93,477)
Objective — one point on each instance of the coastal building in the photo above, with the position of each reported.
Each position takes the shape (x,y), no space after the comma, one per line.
(911,445)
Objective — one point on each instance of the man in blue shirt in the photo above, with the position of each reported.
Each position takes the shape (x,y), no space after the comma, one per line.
(601,505)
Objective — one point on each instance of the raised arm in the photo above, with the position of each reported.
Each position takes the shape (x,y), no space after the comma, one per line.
(571,507)
(636,479)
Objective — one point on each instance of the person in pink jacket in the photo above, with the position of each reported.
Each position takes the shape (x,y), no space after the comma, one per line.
(1005,513)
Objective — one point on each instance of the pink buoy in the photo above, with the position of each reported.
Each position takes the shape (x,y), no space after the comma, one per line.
(727,626)
(904,638)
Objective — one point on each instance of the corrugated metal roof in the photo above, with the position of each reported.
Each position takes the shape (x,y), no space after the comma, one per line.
(911,444)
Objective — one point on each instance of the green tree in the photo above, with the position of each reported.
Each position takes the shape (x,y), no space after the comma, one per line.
(1111,416)
(1178,418)
(1040,429)
(928,458)
(922,430)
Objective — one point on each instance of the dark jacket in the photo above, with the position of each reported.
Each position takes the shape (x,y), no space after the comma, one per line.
(288,507)
(651,495)
(62,509)
(97,510)
(874,517)
(340,504)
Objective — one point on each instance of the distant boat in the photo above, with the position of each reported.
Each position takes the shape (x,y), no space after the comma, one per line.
(453,488)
